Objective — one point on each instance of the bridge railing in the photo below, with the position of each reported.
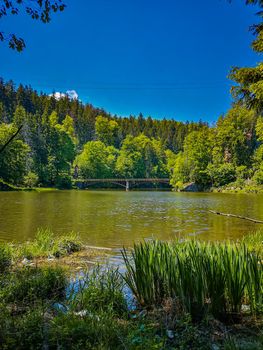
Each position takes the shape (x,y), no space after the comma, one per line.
(124,180)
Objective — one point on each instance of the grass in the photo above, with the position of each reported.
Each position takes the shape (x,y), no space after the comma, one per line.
(5,257)
(30,284)
(254,241)
(101,291)
(46,244)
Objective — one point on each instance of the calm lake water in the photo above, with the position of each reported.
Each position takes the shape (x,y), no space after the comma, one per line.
(116,218)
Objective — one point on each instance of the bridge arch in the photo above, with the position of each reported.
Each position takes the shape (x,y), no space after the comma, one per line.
(126,183)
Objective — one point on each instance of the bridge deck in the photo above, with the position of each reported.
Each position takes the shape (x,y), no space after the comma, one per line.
(125,180)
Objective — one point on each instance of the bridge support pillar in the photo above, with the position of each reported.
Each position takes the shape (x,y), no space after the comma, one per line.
(127,186)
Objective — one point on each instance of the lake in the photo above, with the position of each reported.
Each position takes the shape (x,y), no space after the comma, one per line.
(117,218)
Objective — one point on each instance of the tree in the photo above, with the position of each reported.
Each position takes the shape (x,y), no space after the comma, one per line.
(61,149)
(221,174)
(97,160)
(249,88)
(180,172)
(13,159)
(258,155)
(37,9)
(106,130)
(141,157)
(234,137)
(190,165)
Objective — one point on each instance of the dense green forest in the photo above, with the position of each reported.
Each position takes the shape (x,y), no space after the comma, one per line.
(58,134)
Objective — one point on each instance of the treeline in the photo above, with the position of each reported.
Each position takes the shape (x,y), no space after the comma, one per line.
(63,137)
(58,134)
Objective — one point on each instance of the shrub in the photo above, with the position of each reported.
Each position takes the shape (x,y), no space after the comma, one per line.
(30,284)
(102,291)
(63,182)
(5,258)
(46,244)
(31,180)
(258,177)
(221,174)
(100,331)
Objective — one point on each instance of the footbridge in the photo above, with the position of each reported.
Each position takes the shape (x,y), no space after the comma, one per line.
(126,183)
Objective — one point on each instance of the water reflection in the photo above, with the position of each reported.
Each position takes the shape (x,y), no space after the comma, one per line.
(115,218)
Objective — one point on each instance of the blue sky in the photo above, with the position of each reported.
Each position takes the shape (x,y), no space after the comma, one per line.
(164,58)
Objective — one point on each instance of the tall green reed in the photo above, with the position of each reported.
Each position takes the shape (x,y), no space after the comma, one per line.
(203,276)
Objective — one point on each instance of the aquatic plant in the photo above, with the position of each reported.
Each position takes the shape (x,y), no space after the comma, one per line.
(254,241)
(216,277)
(46,244)
(101,290)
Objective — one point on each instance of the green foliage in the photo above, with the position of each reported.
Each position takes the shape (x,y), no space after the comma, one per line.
(254,241)
(248,90)
(36,313)
(141,157)
(25,331)
(97,160)
(31,284)
(13,160)
(99,331)
(63,181)
(221,174)
(190,165)
(258,176)
(234,137)
(106,130)
(46,244)
(55,131)
(31,180)
(101,291)
(5,258)
(203,276)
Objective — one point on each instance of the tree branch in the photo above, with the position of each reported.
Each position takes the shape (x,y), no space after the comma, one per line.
(11,138)
(236,216)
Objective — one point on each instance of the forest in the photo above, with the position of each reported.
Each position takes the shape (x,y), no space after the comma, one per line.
(59,134)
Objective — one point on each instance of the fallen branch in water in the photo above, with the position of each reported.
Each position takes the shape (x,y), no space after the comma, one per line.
(236,216)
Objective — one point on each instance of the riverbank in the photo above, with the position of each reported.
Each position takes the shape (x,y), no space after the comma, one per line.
(47,249)
(195,303)
(247,186)
(235,188)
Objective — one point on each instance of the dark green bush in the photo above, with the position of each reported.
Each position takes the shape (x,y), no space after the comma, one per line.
(63,182)
(31,284)
(102,292)
(5,258)
(93,331)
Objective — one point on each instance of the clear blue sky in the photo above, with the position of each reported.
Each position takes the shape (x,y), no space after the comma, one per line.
(164,58)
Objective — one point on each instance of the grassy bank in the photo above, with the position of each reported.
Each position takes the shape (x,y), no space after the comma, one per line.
(237,187)
(49,249)
(173,295)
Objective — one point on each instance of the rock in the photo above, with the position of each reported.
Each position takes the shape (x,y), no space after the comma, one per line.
(142,313)
(170,333)
(215,347)
(27,262)
(191,187)
(60,307)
